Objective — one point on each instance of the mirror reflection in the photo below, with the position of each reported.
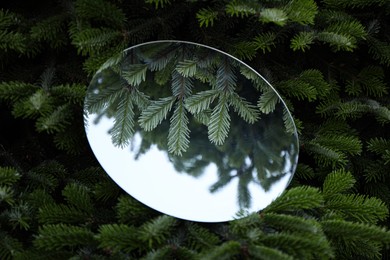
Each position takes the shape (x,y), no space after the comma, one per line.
(178,127)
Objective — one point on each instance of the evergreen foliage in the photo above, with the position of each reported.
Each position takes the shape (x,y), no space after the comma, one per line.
(329,60)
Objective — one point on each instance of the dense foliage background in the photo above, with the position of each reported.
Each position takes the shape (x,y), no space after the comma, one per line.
(328,59)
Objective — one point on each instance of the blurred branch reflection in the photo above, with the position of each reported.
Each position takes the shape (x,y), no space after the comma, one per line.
(260,154)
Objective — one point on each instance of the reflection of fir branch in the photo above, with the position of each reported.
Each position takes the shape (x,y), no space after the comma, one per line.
(183,67)
(156,112)
(178,136)
(123,128)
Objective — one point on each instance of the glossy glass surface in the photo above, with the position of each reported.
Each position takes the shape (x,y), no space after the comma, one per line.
(177,125)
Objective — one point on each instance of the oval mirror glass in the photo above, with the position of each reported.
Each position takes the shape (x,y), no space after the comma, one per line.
(190,131)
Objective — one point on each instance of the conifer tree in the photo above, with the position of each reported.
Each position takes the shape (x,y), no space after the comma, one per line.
(328,59)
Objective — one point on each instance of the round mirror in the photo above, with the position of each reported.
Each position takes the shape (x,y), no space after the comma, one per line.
(190,131)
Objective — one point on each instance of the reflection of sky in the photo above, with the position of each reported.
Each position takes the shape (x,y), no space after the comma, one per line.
(153,180)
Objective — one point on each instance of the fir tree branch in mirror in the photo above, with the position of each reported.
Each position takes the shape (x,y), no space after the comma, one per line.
(167,75)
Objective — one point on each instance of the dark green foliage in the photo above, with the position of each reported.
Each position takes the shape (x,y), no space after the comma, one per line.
(328,59)
(54,237)
(296,199)
(118,237)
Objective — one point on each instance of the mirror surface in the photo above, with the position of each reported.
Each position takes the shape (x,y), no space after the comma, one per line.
(190,131)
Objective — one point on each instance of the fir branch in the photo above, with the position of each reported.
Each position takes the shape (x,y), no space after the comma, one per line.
(265,41)
(302,12)
(353,236)
(372,81)
(273,15)
(140,99)
(267,253)
(16,90)
(258,81)
(159,56)
(205,76)
(240,9)
(309,84)
(52,213)
(226,79)
(59,236)
(219,121)
(200,238)
(201,101)
(228,249)
(379,50)
(187,68)
(373,173)
(296,199)
(79,196)
(135,74)
(353,28)
(291,124)
(203,117)
(13,41)
(245,110)
(123,128)
(156,112)
(98,100)
(9,246)
(386,157)
(329,16)
(162,77)
(304,172)
(316,79)
(101,11)
(105,60)
(378,145)
(106,190)
(382,115)
(131,211)
(8,175)
(302,41)
(338,42)
(156,231)
(34,253)
(267,101)
(358,207)
(45,175)
(92,40)
(346,144)
(7,194)
(8,19)
(325,155)
(56,121)
(206,17)
(38,104)
(169,251)
(39,198)
(118,237)
(354,3)
(351,109)
(181,86)
(244,50)
(72,93)
(244,197)
(111,62)
(178,135)
(338,181)
(300,246)
(224,179)
(292,223)
(51,30)
(158,3)
(68,141)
